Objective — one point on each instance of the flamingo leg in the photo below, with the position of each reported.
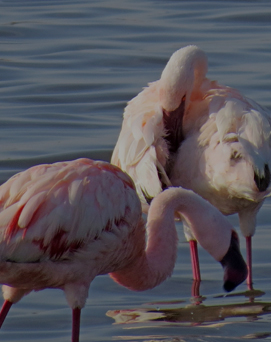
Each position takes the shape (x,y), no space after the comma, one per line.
(249,261)
(4,311)
(195,291)
(194,259)
(76,313)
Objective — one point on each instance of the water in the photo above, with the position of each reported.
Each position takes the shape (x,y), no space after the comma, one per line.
(67,69)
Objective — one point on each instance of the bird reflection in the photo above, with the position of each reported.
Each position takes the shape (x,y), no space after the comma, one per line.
(197,313)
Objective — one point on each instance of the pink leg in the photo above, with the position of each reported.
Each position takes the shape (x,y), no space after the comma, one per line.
(76,313)
(194,259)
(195,291)
(4,311)
(249,262)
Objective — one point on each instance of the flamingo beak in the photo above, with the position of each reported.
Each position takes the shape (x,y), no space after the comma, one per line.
(235,268)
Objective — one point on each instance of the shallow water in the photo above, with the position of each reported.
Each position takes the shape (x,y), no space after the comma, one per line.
(67,69)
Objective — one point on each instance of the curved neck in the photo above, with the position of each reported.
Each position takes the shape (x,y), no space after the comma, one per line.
(156,263)
(185,70)
(209,227)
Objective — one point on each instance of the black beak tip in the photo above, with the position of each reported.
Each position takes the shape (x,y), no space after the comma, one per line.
(233,278)
(235,268)
(229,286)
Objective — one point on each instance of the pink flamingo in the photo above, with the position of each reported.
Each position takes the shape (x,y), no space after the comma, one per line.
(65,223)
(185,130)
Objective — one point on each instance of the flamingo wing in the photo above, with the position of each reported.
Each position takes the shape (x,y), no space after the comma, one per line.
(52,211)
(141,149)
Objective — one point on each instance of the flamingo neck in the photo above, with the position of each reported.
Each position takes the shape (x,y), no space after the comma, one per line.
(210,228)
(157,261)
(185,70)
(155,264)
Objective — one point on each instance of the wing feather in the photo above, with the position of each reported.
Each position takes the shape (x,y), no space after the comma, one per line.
(140,149)
(62,206)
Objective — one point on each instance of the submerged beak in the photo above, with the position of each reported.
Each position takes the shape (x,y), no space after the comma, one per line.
(235,268)
(173,124)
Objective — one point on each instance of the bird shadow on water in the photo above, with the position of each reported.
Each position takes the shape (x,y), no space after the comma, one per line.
(248,306)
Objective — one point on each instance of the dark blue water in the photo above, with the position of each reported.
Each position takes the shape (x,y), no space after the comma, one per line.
(67,70)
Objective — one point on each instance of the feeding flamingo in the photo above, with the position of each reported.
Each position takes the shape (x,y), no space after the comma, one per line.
(63,224)
(185,130)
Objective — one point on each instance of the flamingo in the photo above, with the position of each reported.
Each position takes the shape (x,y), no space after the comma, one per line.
(63,224)
(186,130)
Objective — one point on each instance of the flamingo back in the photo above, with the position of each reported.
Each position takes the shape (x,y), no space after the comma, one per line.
(53,211)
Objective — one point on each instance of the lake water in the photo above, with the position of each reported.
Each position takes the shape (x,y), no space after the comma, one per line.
(67,70)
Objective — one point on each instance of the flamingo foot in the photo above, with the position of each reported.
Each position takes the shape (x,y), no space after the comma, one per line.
(4,311)
(76,313)
(249,261)
(195,259)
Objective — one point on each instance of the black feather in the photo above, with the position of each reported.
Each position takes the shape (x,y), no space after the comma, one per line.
(263,182)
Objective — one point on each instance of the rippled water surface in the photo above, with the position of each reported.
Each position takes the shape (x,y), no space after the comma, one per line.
(67,68)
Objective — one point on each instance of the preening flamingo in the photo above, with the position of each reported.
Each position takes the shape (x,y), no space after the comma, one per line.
(63,224)
(185,130)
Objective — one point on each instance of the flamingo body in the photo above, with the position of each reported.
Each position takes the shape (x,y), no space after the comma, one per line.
(65,223)
(186,130)
(55,217)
